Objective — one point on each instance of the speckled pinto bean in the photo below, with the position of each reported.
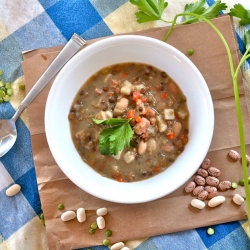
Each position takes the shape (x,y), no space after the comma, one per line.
(202,195)
(200,180)
(212,181)
(224,185)
(197,190)
(190,187)
(214,171)
(202,172)
(234,155)
(210,189)
(212,195)
(206,163)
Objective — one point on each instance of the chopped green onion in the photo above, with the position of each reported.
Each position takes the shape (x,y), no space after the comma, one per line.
(234,185)
(94,225)
(91,231)
(106,242)
(60,206)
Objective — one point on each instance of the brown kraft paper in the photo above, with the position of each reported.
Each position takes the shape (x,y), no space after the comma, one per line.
(171,213)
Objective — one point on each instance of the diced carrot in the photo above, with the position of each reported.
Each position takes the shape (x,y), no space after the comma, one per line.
(123,74)
(164,95)
(136,96)
(143,99)
(119,178)
(138,119)
(156,169)
(131,113)
(171,135)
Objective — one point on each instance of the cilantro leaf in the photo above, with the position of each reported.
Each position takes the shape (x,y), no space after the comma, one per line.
(240,12)
(198,8)
(149,10)
(247,38)
(116,137)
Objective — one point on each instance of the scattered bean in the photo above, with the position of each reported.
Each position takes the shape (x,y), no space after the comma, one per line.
(13,190)
(214,171)
(212,195)
(239,200)
(212,181)
(234,155)
(68,215)
(216,201)
(199,180)
(198,203)
(81,214)
(202,195)
(102,211)
(224,185)
(100,222)
(106,242)
(117,246)
(190,187)
(60,206)
(206,163)
(197,190)
(210,231)
(234,185)
(125,248)
(202,172)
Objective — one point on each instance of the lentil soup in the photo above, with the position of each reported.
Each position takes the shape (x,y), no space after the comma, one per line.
(158,115)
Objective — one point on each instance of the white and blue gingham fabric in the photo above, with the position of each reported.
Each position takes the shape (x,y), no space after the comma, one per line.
(31,24)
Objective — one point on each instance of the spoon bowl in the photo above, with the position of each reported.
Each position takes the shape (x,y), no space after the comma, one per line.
(8,131)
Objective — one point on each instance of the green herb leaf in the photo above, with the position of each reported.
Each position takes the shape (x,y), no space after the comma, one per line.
(198,8)
(240,12)
(247,38)
(149,10)
(115,138)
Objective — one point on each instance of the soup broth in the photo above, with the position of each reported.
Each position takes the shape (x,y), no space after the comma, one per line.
(158,115)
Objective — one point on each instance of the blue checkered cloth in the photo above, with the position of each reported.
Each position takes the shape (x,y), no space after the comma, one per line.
(31,24)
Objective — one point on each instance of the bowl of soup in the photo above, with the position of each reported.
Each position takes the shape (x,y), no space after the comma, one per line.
(129,119)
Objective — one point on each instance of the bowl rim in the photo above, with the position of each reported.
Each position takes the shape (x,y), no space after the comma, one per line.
(129,197)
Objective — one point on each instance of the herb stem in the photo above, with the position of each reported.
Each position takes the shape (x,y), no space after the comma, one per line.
(234,75)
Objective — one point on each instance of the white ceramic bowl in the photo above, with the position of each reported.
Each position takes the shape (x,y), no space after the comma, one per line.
(118,49)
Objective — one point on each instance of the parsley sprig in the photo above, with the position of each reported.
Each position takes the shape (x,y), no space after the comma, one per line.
(196,12)
(115,137)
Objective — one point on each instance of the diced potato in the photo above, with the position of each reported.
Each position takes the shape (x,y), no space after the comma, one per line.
(129,157)
(118,156)
(104,115)
(169,114)
(161,123)
(182,113)
(127,88)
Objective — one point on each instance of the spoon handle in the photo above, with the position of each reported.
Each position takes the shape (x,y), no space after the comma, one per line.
(73,45)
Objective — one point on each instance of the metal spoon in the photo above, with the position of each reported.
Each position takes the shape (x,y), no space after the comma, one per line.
(8,132)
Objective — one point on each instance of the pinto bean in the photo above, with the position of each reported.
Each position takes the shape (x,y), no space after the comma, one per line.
(214,171)
(206,163)
(177,128)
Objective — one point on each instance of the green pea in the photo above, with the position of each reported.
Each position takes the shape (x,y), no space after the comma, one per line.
(6,98)
(8,85)
(21,86)
(60,206)
(1,83)
(108,233)
(91,230)
(9,92)
(241,182)
(106,242)
(94,225)
(234,185)
(190,51)
(2,93)
(210,231)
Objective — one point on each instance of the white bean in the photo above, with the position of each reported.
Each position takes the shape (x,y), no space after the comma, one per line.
(13,190)
(239,200)
(125,248)
(81,214)
(198,203)
(117,246)
(102,211)
(68,215)
(100,222)
(216,201)
(142,147)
